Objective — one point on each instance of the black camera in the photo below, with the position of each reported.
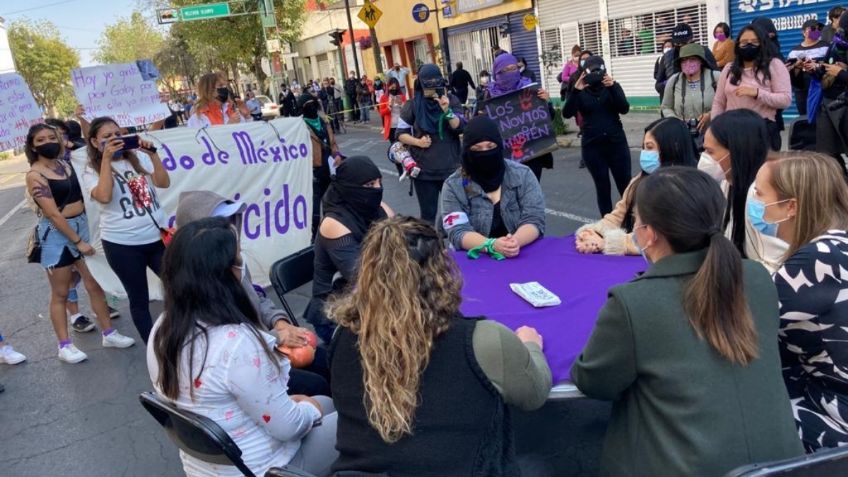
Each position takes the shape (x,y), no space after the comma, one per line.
(693,127)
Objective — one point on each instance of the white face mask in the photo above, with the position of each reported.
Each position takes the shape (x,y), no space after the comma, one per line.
(666,50)
(712,167)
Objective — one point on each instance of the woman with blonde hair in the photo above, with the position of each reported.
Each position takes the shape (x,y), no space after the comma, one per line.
(216,104)
(420,389)
(802,199)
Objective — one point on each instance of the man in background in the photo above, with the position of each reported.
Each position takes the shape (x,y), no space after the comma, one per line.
(460,80)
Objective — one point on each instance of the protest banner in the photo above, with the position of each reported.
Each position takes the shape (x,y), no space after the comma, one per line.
(525,123)
(18,111)
(268,166)
(120,92)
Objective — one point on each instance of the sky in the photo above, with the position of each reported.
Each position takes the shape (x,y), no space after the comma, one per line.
(81,22)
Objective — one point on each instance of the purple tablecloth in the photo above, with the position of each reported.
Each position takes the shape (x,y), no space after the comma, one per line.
(580,281)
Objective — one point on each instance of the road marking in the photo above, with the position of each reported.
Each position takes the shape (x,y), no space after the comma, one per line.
(555,213)
(12,212)
(10,177)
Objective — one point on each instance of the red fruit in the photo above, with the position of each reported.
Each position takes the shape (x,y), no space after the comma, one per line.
(300,357)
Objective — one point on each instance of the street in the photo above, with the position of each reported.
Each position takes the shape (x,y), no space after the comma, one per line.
(85,419)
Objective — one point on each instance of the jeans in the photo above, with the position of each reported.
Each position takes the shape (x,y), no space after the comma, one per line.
(354,108)
(130,264)
(603,157)
(364,108)
(427,193)
(318,448)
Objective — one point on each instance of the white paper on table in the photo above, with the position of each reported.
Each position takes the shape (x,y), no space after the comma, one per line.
(535,294)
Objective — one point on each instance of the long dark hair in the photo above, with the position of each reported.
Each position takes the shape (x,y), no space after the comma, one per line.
(685,206)
(761,62)
(95,156)
(724,28)
(29,147)
(201,292)
(743,133)
(675,148)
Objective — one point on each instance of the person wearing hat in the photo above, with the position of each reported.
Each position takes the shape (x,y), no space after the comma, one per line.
(199,204)
(491,204)
(681,35)
(689,94)
(811,50)
(601,101)
(430,126)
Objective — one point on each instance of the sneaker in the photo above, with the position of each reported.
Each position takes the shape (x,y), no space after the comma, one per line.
(117,340)
(81,324)
(70,354)
(8,355)
(113,313)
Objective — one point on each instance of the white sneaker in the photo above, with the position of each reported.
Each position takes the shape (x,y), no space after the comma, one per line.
(70,354)
(8,355)
(117,340)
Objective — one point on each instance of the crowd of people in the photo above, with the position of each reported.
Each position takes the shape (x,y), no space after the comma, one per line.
(728,350)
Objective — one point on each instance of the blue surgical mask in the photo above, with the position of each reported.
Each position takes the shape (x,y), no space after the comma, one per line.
(756,210)
(649,161)
(639,247)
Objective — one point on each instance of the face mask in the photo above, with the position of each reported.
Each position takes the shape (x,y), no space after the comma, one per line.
(639,247)
(756,210)
(486,168)
(521,68)
(815,35)
(507,80)
(582,63)
(310,110)
(393,91)
(711,167)
(223,94)
(649,161)
(720,36)
(49,150)
(749,52)
(690,67)
(594,78)
(666,50)
(240,274)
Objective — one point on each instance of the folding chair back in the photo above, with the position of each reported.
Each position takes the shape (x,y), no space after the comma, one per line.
(290,273)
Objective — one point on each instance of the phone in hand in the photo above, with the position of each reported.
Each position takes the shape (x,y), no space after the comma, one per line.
(130,142)
(440,92)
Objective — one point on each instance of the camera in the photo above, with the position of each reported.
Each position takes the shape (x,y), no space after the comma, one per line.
(399,154)
(693,127)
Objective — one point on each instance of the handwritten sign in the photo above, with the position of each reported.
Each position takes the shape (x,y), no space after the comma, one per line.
(268,166)
(525,124)
(120,92)
(18,111)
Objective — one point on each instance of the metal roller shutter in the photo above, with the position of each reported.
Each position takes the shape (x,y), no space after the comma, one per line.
(523,42)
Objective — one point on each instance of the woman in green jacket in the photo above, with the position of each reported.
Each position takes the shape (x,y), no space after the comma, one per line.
(688,351)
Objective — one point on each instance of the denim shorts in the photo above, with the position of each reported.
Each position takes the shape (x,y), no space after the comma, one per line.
(54,243)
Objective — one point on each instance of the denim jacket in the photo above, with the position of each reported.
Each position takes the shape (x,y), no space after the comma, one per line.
(466,208)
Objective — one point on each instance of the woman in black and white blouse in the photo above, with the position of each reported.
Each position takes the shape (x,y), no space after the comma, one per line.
(803,200)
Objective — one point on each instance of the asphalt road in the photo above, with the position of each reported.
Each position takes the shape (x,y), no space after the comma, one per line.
(85,419)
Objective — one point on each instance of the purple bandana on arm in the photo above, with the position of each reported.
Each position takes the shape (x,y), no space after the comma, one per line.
(502,82)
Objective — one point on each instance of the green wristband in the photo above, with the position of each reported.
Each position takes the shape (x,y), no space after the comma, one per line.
(489,247)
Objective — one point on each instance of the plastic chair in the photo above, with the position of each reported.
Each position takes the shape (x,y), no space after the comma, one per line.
(825,462)
(201,438)
(292,272)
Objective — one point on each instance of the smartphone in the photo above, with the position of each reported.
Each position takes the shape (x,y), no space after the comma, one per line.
(440,92)
(130,142)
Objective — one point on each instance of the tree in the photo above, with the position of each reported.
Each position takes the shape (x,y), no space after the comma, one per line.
(175,61)
(128,40)
(45,61)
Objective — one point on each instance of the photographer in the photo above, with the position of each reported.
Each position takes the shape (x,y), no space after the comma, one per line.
(689,94)
(831,127)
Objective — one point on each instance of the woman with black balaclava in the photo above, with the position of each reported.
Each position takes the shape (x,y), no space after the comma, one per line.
(216,104)
(324,150)
(352,203)
(601,101)
(430,126)
(491,205)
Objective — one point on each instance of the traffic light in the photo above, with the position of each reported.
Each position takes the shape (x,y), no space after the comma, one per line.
(336,37)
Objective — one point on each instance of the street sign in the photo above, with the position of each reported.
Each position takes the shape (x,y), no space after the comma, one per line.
(205,12)
(273,46)
(530,22)
(420,12)
(370,14)
(168,15)
(291,55)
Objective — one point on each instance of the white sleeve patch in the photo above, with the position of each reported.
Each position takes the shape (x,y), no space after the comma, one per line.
(453,219)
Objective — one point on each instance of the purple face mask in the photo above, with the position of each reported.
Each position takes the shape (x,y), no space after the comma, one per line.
(507,80)
(814,35)
(720,36)
(690,67)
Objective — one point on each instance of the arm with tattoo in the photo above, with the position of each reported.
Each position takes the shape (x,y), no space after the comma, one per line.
(40,191)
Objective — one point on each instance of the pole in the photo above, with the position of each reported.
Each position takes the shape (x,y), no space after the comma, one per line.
(352,40)
(439,30)
(375,47)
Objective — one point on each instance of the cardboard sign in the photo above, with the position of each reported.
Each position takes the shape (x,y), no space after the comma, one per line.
(18,111)
(525,124)
(120,92)
(268,166)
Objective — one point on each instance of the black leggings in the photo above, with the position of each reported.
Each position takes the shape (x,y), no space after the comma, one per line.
(427,193)
(601,158)
(130,264)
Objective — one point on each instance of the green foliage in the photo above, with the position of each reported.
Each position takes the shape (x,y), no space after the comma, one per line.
(128,40)
(560,126)
(44,60)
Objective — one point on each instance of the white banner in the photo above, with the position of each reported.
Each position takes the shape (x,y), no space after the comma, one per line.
(120,92)
(268,166)
(18,111)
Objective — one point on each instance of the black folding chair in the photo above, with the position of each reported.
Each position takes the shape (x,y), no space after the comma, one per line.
(292,272)
(201,438)
(825,462)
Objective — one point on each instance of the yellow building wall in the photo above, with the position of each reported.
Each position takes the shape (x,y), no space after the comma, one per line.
(509,6)
(397,23)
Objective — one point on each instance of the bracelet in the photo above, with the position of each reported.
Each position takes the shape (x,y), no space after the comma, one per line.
(449,115)
(489,247)
(78,241)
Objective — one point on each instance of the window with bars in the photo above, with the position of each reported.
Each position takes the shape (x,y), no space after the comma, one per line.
(552,56)
(590,36)
(645,34)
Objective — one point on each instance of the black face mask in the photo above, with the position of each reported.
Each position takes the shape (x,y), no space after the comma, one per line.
(393,91)
(223,94)
(310,110)
(486,168)
(595,78)
(49,150)
(749,52)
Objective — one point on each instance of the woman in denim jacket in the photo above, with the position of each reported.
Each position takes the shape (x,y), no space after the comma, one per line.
(490,204)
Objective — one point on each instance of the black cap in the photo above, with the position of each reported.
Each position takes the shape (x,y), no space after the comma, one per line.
(593,63)
(681,34)
(812,22)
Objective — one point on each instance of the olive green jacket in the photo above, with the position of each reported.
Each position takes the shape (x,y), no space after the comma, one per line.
(680,409)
